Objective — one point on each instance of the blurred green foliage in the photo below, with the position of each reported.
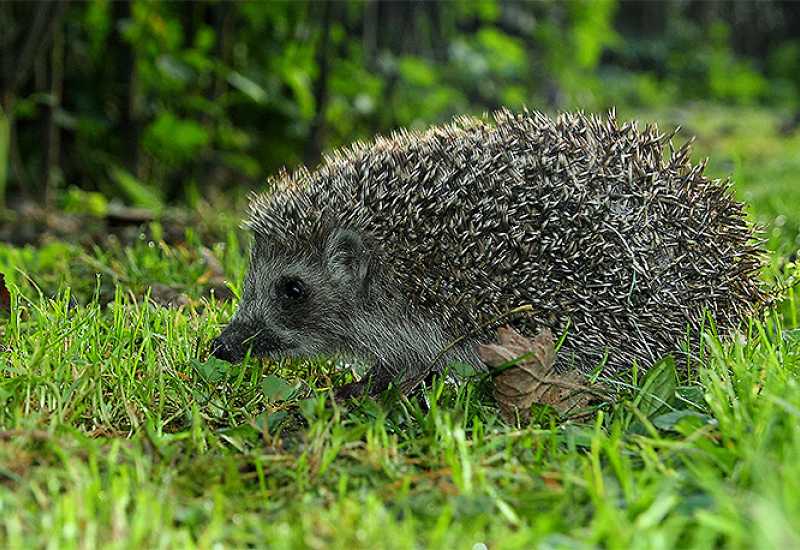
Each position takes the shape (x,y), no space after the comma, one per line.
(150,101)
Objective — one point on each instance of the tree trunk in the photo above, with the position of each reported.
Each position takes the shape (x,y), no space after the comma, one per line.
(52,166)
(316,134)
(125,88)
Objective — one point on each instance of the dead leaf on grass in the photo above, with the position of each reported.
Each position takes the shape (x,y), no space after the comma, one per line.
(526,375)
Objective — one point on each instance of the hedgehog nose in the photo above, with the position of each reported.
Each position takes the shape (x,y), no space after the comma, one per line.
(221,350)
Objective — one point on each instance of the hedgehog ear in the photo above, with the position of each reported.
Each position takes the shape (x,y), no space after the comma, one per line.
(346,256)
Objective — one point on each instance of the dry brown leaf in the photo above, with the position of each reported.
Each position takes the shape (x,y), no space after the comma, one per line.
(533,377)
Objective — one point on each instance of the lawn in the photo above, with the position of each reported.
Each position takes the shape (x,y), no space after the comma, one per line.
(115,430)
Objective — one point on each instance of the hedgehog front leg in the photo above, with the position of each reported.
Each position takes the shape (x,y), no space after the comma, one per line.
(408,373)
(375,382)
(404,352)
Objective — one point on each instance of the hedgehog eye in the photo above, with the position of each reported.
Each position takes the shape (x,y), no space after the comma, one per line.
(292,288)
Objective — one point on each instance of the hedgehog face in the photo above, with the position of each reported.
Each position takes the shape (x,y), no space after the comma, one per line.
(297,306)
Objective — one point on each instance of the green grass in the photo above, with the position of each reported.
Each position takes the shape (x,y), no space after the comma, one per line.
(114,431)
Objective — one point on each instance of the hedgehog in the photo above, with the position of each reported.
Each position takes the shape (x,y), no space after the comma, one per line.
(403,253)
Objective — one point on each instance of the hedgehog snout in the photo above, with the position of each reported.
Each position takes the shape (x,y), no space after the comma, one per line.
(222,349)
(238,338)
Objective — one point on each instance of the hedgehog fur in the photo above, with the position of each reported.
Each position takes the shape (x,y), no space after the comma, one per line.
(610,233)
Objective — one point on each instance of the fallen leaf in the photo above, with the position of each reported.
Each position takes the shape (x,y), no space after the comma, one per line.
(525,374)
(205,277)
(183,376)
(552,480)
